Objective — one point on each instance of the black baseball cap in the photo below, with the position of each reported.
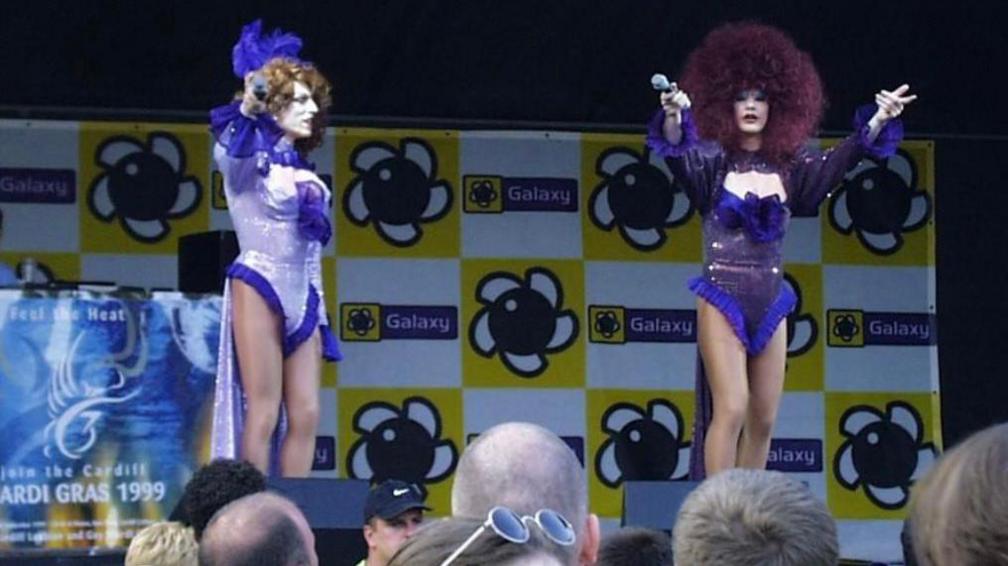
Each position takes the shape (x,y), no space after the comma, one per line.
(392,498)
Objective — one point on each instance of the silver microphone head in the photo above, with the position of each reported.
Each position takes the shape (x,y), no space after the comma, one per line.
(660,82)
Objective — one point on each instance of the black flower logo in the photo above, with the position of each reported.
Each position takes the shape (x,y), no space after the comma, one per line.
(882,452)
(360,321)
(642,445)
(522,320)
(637,195)
(396,190)
(483,193)
(802,328)
(143,185)
(401,444)
(607,323)
(879,201)
(845,327)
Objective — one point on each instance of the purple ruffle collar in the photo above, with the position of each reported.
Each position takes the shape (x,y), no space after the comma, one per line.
(260,136)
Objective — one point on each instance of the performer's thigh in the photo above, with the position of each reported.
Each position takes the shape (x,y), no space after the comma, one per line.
(766,376)
(258,345)
(724,360)
(302,371)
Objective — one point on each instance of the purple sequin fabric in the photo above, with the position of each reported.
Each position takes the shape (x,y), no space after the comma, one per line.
(280,213)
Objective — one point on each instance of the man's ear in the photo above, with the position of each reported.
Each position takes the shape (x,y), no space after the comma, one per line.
(592,537)
(369,535)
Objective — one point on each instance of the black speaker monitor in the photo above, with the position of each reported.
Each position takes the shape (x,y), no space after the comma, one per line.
(203,259)
(334,509)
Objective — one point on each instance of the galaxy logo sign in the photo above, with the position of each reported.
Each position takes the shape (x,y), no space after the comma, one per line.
(849,328)
(620,324)
(487,194)
(49,186)
(796,455)
(371,322)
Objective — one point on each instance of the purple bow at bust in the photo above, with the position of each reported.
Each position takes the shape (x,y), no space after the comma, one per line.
(762,218)
(313,224)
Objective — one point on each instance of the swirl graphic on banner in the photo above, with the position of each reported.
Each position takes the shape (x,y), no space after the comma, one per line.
(76,398)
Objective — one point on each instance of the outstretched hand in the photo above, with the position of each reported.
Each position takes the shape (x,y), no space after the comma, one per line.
(891,103)
(673,101)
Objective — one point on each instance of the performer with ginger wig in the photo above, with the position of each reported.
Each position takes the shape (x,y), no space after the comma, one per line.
(757,98)
(273,317)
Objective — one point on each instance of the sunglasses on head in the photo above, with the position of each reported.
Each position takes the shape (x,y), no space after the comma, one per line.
(512,527)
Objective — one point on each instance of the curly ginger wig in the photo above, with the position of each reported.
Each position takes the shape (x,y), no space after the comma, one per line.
(739,56)
(281,74)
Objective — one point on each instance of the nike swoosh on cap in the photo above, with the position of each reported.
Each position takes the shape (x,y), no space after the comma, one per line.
(401,491)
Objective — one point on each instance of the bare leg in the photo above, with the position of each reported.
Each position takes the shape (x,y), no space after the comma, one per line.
(302,373)
(766,383)
(724,360)
(257,332)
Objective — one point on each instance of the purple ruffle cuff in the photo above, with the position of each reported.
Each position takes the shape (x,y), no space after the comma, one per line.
(242,136)
(659,144)
(888,139)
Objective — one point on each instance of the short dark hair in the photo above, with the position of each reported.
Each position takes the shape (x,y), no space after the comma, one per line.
(215,485)
(635,546)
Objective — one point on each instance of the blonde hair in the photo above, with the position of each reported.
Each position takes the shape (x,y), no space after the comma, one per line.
(166,543)
(754,517)
(281,74)
(959,510)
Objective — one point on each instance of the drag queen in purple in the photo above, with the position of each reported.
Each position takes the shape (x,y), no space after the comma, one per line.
(274,329)
(757,99)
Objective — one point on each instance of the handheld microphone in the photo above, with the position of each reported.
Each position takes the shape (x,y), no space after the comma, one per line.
(259,87)
(661,82)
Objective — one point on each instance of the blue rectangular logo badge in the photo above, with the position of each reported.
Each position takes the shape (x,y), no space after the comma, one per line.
(46,186)
(403,322)
(899,329)
(543,194)
(795,455)
(660,325)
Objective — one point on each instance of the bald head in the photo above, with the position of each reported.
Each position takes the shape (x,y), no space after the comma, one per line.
(262,528)
(525,467)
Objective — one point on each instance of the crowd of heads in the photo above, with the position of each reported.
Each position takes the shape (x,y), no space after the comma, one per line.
(519,499)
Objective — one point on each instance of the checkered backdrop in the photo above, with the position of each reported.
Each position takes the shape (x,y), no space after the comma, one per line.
(486,276)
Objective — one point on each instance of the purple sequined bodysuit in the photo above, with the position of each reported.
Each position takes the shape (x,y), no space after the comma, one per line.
(279,209)
(743,274)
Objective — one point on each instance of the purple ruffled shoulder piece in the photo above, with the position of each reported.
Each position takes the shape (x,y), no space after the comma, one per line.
(240,135)
(888,138)
(659,144)
(254,49)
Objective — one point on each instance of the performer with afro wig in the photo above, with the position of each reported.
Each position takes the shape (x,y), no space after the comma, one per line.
(736,145)
(274,328)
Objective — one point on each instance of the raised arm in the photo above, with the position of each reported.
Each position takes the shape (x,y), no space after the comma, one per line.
(672,134)
(245,134)
(876,134)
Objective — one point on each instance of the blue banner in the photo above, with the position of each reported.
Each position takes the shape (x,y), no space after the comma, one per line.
(105,408)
